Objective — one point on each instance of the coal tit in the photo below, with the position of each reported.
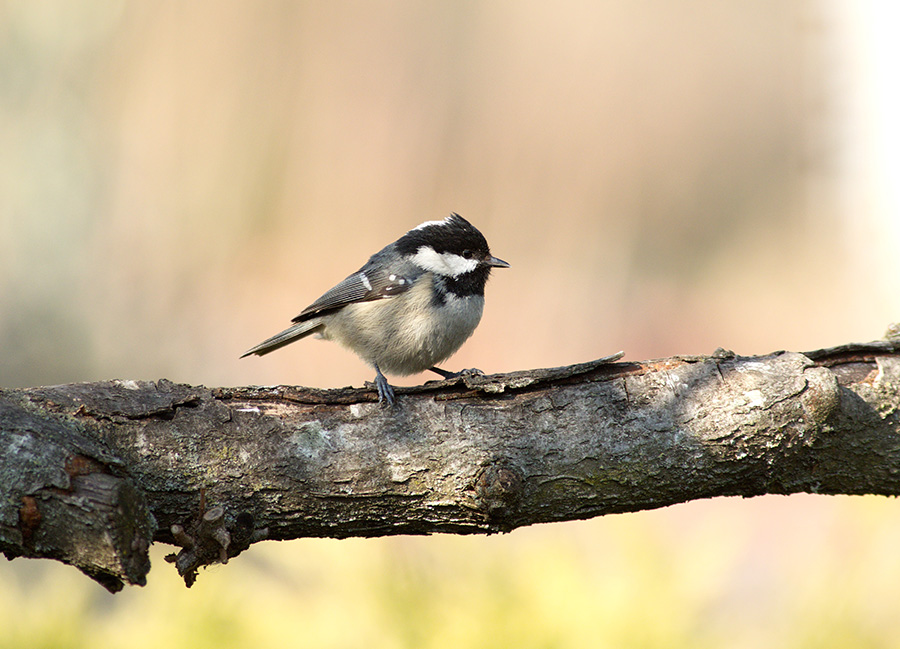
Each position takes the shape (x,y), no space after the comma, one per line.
(410,307)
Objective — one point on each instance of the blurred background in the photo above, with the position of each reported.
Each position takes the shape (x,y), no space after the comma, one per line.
(178,180)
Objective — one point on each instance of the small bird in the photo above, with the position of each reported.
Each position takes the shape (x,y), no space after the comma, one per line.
(410,307)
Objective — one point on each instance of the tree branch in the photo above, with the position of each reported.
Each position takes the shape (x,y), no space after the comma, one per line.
(92,473)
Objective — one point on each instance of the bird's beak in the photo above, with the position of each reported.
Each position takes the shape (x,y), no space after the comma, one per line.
(497,263)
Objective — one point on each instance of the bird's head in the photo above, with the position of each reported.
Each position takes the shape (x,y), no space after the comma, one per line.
(452,248)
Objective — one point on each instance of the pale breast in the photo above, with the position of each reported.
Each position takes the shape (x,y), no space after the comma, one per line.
(406,334)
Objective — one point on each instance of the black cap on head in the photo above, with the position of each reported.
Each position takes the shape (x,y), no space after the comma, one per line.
(454,234)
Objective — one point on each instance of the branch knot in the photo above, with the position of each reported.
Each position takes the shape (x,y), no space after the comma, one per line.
(498,489)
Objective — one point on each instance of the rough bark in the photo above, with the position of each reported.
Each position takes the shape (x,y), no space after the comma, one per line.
(91,474)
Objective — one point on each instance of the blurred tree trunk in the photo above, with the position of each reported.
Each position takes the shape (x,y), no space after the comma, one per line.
(91,474)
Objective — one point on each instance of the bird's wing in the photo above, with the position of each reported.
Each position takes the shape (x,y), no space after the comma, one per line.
(362,286)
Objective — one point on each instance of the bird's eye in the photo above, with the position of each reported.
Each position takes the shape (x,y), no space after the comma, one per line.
(468,254)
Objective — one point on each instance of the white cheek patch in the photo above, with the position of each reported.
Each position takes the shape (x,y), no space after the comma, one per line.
(445,263)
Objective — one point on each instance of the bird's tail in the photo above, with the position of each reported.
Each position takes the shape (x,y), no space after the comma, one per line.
(289,335)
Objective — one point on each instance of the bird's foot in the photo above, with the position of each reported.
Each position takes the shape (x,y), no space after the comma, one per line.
(385,391)
(452,375)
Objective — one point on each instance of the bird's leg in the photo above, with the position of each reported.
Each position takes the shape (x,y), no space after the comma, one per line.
(452,375)
(444,373)
(385,391)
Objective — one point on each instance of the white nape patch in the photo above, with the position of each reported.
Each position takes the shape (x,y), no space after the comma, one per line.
(422,226)
(444,263)
(365,281)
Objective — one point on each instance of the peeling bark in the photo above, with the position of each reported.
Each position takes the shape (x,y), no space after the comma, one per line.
(91,474)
